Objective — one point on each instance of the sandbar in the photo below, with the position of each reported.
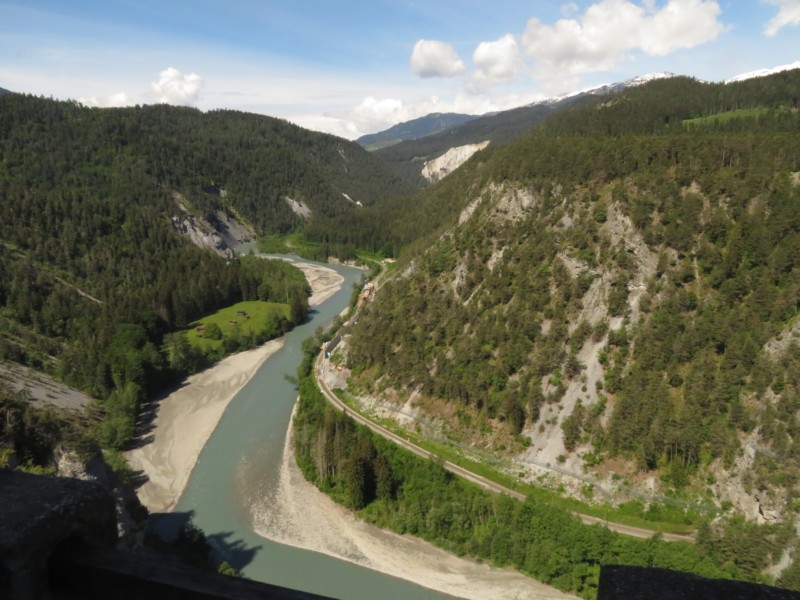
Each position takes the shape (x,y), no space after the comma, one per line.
(184,421)
(297,514)
(324,281)
(186,417)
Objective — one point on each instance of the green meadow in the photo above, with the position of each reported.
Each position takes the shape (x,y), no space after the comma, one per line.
(724,117)
(240,325)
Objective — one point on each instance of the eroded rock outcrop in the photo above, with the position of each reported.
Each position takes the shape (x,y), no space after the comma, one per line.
(439,168)
(218,232)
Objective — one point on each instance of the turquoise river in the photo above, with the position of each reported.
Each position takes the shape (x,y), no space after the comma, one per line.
(251,436)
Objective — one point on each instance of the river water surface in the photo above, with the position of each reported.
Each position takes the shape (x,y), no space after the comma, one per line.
(250,438)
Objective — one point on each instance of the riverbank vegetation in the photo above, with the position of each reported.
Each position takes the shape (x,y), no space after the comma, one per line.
(297,243)
(669,515)
(237,327)
(392,488)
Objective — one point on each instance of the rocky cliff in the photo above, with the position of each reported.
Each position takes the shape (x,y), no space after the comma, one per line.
(219,232)
(439,168)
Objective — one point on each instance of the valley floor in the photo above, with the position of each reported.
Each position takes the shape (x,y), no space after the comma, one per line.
(187,417)
(298,514)
(185,420)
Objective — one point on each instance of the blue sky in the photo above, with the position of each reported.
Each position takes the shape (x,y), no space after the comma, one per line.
(351,68)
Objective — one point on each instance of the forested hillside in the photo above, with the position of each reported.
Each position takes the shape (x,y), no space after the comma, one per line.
(257,161)
(617,293)
(408,155)
(95,274)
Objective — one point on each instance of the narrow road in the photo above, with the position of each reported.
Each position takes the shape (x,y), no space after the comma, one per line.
(469,475)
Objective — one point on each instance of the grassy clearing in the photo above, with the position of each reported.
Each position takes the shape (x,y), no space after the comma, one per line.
(266,320)
(292,243)
(724,117)
(295,243)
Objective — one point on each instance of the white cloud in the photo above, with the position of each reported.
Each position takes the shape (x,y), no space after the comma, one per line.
(497,62)
(373,115)
(610,29)
(173,87)
(431,58)
(569,8)
(120,99)
(788,14)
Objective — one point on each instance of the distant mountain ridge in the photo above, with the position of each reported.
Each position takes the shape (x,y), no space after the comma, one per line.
(434,123)
(5,91)
(409,156)
(414,129)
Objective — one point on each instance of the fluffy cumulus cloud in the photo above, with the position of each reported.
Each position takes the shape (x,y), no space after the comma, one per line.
(788,14)
(173,87)
(120,99)
(373,115)
(431,58)
(608,30)
(496,62)
(569,8)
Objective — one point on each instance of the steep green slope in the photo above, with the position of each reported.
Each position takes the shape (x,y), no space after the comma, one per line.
(96,276)
(220,159)
(618,293)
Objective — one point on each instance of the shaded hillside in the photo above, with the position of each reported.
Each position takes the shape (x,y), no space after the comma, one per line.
(414,129)
(222,160)
(97,275)
(617,286)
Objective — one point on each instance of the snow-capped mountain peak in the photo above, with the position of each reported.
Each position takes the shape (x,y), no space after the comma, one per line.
(642,79)
(764,72)
(610,87)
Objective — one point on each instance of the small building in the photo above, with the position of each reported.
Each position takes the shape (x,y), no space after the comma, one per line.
(331,346)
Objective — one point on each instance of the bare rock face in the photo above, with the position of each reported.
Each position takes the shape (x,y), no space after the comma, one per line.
(128,509)
(217,232)
(439,168)
(39,513)
(202,235)
(300,208)
(70,464)
(43,389)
